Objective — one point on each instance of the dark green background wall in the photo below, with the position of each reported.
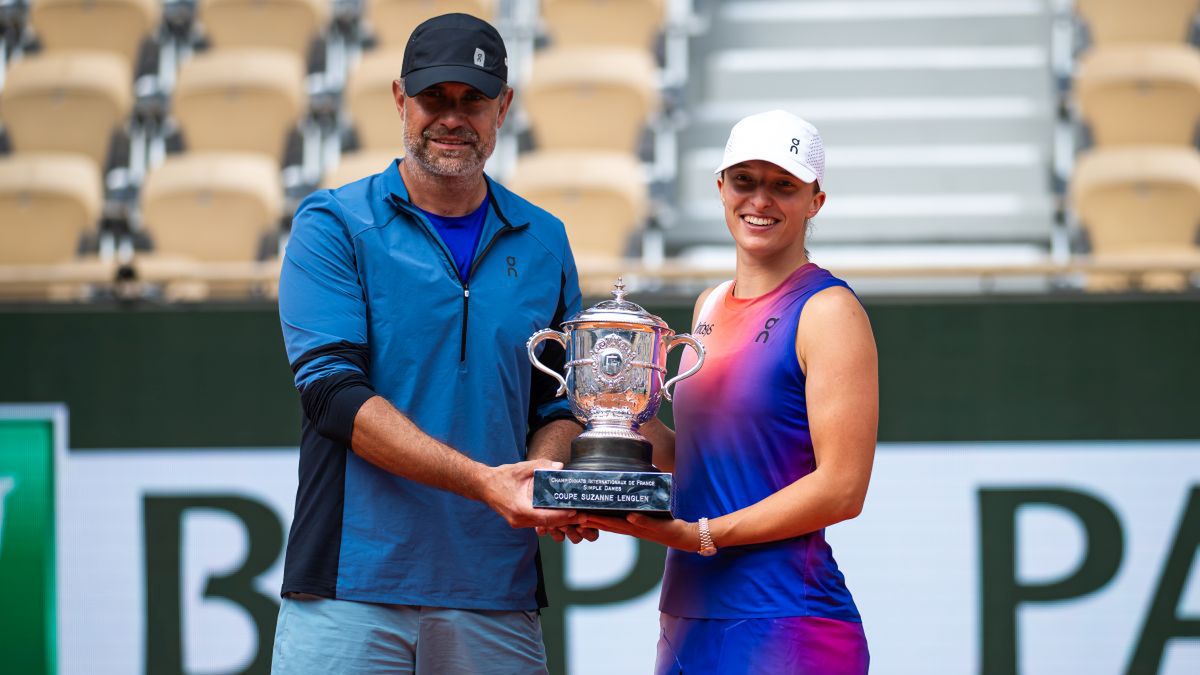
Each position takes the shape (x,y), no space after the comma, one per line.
(1053,368)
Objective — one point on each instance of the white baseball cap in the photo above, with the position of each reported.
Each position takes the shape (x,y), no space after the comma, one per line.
(778,137)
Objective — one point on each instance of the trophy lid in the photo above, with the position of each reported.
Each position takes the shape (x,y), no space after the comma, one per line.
(618,310)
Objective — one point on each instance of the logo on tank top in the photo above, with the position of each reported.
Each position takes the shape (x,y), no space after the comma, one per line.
(704,328)
(766,331)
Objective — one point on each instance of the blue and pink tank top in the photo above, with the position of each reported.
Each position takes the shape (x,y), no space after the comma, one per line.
(742,434)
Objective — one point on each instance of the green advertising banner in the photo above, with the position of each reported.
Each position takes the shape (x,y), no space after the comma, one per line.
(32,443)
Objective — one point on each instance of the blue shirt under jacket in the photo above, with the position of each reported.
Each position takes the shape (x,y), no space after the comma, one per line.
(371,303)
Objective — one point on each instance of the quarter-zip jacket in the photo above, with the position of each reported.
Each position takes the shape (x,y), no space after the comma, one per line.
(371,303)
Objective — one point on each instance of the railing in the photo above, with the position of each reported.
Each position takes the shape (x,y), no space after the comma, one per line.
(250,279)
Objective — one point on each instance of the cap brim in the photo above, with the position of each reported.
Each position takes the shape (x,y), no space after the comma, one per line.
(783,161)
(420,80)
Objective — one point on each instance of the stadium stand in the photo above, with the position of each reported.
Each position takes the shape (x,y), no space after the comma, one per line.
(938,122)
(60,112)
(1135,189)
(221,200)
(593,102)
(944,124)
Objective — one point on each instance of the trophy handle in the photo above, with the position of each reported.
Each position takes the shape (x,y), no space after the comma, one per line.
(696,347)
(547,334)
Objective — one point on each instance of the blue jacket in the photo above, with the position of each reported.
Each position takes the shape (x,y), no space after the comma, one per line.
(371,303)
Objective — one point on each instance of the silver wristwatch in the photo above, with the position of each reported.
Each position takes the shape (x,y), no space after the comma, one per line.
(707,547)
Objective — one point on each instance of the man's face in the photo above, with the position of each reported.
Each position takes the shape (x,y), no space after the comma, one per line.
(450,128)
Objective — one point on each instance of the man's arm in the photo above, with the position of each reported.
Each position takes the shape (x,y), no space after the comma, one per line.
(553,441)
(386,438)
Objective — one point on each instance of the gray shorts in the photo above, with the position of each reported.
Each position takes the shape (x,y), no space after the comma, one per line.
(319,636)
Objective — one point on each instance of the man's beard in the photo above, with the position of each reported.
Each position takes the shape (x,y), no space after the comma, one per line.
(470,159)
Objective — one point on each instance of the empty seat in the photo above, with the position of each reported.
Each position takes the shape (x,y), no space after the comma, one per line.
(66,102)
(47,203)
(1122,21)
(628,23)
(354,165)
(283,24)
(590,97)
(369,101)
(212,206)
(601,197)
(210,216)
(117,26)
(392,21)
(245,100)
(1140,93)
(1139,201)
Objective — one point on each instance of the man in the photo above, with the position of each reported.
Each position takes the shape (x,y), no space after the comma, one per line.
(406,300)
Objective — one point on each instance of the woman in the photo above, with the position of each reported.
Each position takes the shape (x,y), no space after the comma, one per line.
(776,435)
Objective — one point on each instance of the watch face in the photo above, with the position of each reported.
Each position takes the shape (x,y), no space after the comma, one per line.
(707,551)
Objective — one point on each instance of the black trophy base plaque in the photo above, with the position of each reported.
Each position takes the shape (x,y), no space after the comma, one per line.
(613,491)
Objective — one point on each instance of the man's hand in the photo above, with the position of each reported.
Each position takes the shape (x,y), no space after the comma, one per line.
(509,492)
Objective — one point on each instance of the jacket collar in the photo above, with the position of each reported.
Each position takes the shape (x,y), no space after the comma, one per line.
(395,192)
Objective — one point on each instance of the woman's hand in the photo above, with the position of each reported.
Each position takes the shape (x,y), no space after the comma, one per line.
(674,533)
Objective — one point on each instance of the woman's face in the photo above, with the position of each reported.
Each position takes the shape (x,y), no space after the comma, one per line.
(767,208)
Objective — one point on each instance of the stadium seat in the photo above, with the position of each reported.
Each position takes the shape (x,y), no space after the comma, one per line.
(625,23)
(280,24)
(392,21)
(1122,21)
(369,101)
(360,164)
(48,201)
(243,100)
(600,196)
(205,208)
(591,97)
(66,102)
(1139,201)
(1140,93)
(117,26)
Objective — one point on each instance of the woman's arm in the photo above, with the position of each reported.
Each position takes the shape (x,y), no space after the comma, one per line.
(837,353)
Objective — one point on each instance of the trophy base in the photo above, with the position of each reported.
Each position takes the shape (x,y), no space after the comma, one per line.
(607,453)
(615,492)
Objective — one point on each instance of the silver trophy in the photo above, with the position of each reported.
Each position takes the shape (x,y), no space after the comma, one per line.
(616,378)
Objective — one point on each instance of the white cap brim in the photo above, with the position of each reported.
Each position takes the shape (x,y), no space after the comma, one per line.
(784,160)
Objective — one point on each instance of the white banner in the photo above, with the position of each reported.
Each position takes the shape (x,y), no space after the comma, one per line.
(1058,557)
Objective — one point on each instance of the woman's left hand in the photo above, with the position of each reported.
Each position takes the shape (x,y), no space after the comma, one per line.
(674,533)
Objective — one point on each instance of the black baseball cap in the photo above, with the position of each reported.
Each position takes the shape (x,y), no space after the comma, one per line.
(455,48)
